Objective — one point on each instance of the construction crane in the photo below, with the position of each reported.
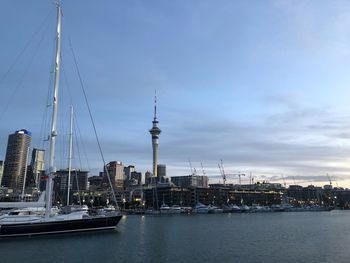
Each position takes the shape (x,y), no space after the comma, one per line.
(202,169)
(192,171)
(239,178)
(222,172)
(284,181)
(224,175)
(330,181)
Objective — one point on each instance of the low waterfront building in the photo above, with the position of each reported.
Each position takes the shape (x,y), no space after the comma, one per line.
(306,195)
(3,191)
(155,196)
(92,198)
(258,186)
(95,183)
(190,181)
(221,195)
(341,197)
(133,195)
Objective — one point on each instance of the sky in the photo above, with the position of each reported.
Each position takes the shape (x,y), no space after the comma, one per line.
(261,85)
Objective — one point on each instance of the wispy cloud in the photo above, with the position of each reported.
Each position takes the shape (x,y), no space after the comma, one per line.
(260,85)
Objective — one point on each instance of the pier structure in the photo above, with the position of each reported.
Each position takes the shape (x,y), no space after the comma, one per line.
(155,131)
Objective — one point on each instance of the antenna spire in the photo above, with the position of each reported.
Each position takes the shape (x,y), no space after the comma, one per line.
(155,104)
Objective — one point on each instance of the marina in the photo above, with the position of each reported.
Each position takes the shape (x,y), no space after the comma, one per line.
(243,238)
(252,96)
(211,209)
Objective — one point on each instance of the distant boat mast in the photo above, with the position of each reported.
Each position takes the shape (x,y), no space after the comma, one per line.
(70,151)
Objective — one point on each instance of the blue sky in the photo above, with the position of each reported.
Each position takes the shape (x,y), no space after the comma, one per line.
(262,85)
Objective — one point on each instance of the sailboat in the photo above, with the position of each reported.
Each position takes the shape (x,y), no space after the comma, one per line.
(55,223)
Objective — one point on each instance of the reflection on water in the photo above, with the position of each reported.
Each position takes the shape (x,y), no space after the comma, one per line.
(272,237)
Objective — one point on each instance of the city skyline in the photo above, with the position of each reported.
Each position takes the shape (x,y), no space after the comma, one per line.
(262,87)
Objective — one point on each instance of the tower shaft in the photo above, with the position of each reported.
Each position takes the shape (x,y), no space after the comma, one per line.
(155,158)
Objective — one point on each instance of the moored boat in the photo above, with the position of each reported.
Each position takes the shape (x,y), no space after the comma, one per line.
(74,222)
(212,209)
(201,209)
(235,209)
(175,209)
(165,209)
(260,209)
(244,208)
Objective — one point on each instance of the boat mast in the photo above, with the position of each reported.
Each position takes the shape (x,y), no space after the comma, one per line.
(53,134)
(70,151)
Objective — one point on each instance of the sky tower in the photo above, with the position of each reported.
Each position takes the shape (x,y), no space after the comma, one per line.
(155,131)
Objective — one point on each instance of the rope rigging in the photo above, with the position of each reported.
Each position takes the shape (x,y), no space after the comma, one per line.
(76,123)
(19,55)
(21,79)
(93,123)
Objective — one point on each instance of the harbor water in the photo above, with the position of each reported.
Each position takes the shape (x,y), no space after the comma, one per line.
(256,237)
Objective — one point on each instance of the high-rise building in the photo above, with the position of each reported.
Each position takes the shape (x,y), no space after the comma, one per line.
(16,159)
(127,171)
(131,176)
(37,164)
(161,170)
(116,174)
(78,182)
(155,131)
(136,178)
(148,176)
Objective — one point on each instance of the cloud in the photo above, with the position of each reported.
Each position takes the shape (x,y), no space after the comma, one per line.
(307,29)
(301,142)
(263,148)
(210,81)
(303,150)
(317,178)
